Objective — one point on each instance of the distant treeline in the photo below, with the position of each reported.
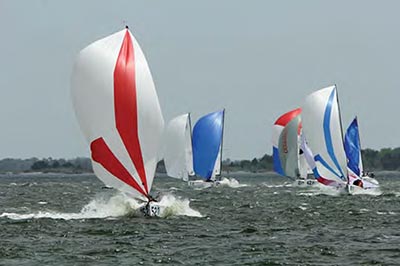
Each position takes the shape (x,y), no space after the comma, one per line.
(385,159)
(77,165)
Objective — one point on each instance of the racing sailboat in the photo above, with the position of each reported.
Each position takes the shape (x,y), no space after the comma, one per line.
(207,142)
(288,157)
(117,107)
(323,128)
(178,156)
(358,179)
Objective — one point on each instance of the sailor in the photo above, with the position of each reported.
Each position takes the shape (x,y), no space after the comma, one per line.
(358,183)
(371,174)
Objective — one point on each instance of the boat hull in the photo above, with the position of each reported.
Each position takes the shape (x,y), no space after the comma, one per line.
(202,184)
(354,190)
(151,209)
(304,183)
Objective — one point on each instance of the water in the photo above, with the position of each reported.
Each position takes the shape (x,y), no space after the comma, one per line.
(70,220)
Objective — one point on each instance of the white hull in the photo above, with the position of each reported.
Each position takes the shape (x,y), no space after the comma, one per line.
(305,183)
(354,190)
(370,180)
(151,209)
(202,184)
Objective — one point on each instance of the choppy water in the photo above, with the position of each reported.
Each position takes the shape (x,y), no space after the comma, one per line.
(70,220)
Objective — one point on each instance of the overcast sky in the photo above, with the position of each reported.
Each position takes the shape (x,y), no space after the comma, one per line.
(258,59)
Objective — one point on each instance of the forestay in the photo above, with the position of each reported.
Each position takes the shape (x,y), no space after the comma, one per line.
(207,145)
(178,157)
(322,127)
(118,110)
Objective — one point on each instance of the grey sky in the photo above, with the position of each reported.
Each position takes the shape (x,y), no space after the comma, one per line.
(258,59)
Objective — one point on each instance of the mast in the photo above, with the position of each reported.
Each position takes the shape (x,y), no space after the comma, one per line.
(341,126)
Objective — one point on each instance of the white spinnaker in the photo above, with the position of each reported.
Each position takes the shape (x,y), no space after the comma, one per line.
(92,88)
(218,161)
(322,126)
(178,148)
(304,167)
(188,148)
(217,165)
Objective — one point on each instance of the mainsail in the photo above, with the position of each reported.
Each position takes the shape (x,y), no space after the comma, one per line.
(352,147)
(118,111)
(285,144)
(178,157)
(322,126)
(207,145)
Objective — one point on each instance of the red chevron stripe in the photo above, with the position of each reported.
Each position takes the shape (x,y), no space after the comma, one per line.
(102,154)
(125,104)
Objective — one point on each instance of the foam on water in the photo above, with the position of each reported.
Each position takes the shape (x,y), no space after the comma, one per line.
(372,192)
(172,206)
(321,190)
(276,186)
(116,206)
(231,182)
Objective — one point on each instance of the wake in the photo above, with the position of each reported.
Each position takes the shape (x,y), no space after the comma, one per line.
(116,206)
(231,182)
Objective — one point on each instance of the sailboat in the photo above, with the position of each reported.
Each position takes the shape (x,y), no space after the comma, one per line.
(322,127)
(288,157)
(207,142)
(117,107)
(178,155)
(358,179)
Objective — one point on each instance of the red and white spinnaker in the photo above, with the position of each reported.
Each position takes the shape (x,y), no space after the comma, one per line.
(119,113)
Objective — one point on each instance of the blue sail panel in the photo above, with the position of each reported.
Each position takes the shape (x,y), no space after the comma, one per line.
(352,147)
(277,161)
(206,143)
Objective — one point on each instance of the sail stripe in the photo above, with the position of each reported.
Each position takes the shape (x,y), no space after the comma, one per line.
(125,104)
(323,180)
(318,158)
(103,155)
(327,132)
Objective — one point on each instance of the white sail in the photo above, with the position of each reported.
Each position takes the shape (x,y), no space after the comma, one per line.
(218,161)
(118,111)
(322,126)
(178,156)
(304,169)
(217,166)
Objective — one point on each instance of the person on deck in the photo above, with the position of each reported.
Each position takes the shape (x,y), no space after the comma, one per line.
(358,183)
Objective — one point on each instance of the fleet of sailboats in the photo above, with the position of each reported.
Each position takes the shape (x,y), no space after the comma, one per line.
(117,107)
(335,160)
(188,155)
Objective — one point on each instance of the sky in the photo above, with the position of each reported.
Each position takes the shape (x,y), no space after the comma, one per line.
(258,59)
